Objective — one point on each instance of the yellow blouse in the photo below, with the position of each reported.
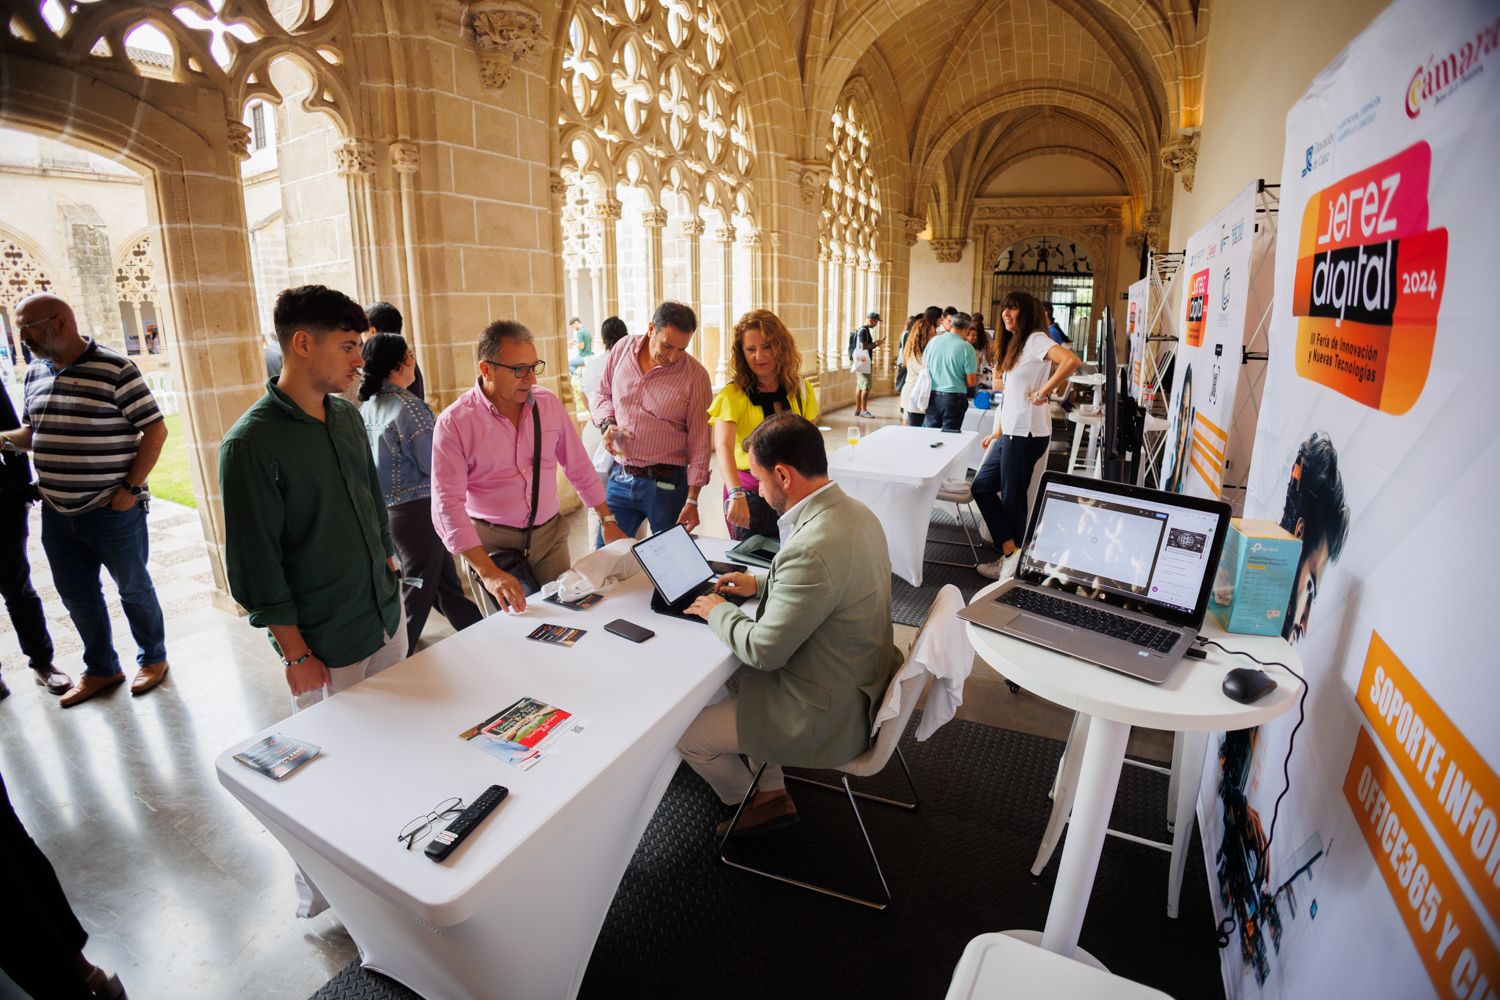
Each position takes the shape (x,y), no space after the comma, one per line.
(733,405)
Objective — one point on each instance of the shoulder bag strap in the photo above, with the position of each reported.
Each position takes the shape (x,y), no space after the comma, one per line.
(536,473)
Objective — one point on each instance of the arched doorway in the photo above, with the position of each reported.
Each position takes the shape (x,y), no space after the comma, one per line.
(1059,273)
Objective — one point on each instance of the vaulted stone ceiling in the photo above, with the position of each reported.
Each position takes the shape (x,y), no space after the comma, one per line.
(969,88)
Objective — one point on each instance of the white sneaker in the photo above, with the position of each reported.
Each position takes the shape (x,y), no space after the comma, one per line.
(1001,569)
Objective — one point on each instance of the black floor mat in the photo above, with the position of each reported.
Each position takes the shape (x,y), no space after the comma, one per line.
(958,867)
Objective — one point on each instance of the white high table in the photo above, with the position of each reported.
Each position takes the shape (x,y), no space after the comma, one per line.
(1190,702)
(896,471)
(515,910)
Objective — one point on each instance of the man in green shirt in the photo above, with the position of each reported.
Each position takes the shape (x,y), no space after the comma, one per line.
(954,368)
(307,546)
(582,343)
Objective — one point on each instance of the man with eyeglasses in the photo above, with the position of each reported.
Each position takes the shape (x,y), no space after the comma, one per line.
(96,433)
(652,407)
(482,460)
(307,546)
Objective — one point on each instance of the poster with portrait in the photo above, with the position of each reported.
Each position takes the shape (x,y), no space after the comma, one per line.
(1363,857)
(1216,279)
(1137,319)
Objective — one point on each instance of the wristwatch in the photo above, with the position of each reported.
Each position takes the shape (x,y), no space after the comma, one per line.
(132,489)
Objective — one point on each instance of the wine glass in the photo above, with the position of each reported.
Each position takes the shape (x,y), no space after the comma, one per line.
(852,436)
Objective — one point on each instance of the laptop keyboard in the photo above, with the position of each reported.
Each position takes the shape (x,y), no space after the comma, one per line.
(1094,620)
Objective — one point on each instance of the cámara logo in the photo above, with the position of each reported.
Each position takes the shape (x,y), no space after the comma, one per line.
(1439,78)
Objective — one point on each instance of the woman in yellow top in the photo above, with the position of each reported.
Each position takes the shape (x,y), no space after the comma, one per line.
(764,378)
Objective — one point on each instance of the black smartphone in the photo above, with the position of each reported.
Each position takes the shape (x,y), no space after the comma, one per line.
(629,630)
(726,567)
(936,444)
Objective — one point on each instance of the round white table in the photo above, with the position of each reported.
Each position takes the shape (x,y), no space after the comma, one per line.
(1190,701)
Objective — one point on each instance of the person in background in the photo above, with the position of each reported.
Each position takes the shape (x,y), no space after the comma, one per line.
(386,318)
(271,352)
(900,381)
(399,427)
(611,332)
(983,345)
(922,331)
(307,545)
(818,654)
(482,456)
(580,345)
(1033,367)
(652,408)
(21,601)
(1053,330)
(864,342)
(764,379)
(42,953)
(953,368)
(96,432)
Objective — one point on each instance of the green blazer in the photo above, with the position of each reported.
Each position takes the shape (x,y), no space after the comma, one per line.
(819,653)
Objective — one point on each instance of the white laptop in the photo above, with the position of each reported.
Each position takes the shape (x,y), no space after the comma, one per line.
(1114,574)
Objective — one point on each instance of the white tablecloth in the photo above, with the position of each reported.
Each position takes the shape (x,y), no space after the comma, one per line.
(979,423)
(896,472)
(515,910)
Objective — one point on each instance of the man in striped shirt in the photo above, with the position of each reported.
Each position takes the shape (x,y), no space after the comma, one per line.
(652,407)
(96,433)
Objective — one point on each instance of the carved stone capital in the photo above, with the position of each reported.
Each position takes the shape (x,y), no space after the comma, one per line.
(654,217)
(239,138)
(756,238)
(354,156)
(404,156)
(693,227)
(911,228)
(949,251)
(774,239)
(812,175)
(1181,156)
(607,209)
(556,184)
(724,234)
(504,32)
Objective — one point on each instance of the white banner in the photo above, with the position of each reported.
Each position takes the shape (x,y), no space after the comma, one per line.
(1378,874)
(1216,276)
(1137,317)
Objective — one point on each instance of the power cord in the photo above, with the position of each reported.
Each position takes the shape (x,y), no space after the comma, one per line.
(1286,764)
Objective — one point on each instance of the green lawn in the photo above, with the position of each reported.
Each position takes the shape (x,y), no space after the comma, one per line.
(170,479)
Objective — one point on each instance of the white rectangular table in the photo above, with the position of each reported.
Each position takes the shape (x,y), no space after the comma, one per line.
(896,471)
(515,910)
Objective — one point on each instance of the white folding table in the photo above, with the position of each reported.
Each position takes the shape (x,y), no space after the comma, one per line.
(896,471)
(515,910)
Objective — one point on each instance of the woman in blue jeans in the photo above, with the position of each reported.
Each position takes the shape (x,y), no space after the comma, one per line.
(1033,366)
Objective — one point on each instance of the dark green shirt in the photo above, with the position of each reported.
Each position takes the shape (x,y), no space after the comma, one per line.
(305,533)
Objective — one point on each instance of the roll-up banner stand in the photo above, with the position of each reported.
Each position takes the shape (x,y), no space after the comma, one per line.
(1376,445)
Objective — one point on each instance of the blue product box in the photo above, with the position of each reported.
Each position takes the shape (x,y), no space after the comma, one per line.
(1256,573)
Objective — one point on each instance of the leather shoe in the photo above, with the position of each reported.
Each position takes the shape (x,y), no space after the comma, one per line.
(54,680)
(772,814)
(148,677)
(89,685)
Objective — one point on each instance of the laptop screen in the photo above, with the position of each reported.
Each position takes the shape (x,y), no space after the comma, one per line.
(1134,544)
(674,563)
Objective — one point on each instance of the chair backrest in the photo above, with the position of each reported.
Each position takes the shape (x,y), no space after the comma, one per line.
(912,680)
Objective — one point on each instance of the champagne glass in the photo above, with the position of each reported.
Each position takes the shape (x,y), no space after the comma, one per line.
(852,436)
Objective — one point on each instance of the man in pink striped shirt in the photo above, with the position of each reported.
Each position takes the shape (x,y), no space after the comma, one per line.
(482,451)
(652,406)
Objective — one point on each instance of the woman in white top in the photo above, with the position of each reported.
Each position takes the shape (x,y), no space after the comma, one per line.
(1032,367)
(911,356)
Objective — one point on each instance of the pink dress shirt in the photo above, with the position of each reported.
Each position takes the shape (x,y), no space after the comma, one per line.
(665,410)
(481,466)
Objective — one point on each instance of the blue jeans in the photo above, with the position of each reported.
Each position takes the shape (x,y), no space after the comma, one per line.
(576,363)
(77,546)
(946,410)
(1002,481)
(633,499)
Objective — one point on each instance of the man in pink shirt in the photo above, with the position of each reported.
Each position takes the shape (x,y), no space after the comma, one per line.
(482,455)
(652,407)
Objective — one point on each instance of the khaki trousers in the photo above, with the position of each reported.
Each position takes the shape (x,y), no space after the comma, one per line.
(550,558)
(711,746)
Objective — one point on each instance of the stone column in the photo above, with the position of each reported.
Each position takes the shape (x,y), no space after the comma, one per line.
(692,231)
(356,164)
(404,160)
(822,313)
(607,213)
(654,218)
(835,310)
(725,236)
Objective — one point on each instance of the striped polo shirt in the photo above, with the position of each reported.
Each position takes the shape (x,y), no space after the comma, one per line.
(86,425)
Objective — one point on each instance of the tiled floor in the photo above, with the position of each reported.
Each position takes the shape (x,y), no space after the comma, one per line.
(182,892)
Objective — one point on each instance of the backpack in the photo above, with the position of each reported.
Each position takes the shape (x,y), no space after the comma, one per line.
(854,341)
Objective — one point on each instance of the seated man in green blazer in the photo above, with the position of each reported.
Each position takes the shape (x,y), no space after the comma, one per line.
(819,653)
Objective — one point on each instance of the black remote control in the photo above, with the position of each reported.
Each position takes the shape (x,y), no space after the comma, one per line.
(443,844)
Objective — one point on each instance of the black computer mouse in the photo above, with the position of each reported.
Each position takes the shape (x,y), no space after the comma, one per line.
(1246,685)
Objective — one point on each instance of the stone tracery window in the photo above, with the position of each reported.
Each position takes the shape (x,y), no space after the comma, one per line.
(657,153)
(20,275)
(137,292)
(849,278)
